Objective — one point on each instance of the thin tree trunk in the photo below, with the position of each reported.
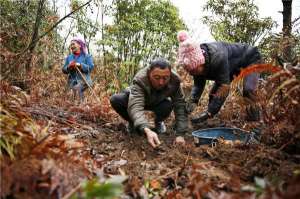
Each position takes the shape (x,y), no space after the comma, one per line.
(102,32)
(287,28)
(87,42)
(38,18)
(67,36)
(94,29)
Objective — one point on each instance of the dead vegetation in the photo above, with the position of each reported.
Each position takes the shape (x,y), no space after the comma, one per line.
(51,145)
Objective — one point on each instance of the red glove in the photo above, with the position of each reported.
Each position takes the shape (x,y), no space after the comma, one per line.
(72,65)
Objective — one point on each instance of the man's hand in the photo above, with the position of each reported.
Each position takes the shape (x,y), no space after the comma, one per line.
(201,118)
(152,137)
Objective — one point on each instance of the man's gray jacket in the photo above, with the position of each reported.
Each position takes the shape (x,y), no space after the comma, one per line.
(142,95)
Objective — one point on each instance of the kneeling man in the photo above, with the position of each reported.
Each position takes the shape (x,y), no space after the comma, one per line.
(155,88)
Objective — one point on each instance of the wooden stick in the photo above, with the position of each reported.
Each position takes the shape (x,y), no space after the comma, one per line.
(57,119)
(88,84)
(167,174)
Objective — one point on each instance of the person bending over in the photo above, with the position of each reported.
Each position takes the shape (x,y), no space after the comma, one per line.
(220,62)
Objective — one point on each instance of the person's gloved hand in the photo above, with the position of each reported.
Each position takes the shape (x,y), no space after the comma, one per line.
(201,117)
(72,65)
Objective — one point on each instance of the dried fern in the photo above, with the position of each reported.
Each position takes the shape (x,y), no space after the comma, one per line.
(256,68)
(284,84)
(237,83)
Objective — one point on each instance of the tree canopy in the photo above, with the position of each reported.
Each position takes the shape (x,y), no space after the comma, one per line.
(142,29)
(236,21)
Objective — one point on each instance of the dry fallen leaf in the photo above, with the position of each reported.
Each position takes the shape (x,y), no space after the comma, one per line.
(155,184)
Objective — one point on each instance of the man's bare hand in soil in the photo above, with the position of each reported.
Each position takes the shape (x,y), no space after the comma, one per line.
(152,137)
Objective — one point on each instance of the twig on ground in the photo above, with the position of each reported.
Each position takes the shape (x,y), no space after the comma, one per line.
(169,173)
(188,157)
(68,195)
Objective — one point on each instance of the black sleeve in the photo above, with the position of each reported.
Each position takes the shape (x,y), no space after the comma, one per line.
(197,89)
(217,100)
(221,88)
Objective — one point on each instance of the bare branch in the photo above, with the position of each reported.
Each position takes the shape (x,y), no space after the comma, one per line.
(54,26)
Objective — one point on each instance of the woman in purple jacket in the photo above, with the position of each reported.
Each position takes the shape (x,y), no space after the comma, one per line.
(78,65)
(220,62)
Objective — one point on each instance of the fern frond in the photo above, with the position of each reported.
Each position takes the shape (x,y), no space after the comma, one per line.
(284,84)
(257,68)
(281,74)
(294,88)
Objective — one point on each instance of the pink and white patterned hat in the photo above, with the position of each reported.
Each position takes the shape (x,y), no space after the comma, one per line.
(190,55)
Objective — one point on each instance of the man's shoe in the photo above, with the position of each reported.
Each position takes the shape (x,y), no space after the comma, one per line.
(160,127)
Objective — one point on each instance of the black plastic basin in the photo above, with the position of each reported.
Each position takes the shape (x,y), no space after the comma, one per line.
(209,136)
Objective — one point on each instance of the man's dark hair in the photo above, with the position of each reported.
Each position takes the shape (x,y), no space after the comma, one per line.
(160,63)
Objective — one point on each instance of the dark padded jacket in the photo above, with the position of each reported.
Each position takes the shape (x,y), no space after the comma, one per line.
(143,95)
(222,62)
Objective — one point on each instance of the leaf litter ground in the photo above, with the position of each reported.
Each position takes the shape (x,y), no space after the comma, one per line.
(66,144)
